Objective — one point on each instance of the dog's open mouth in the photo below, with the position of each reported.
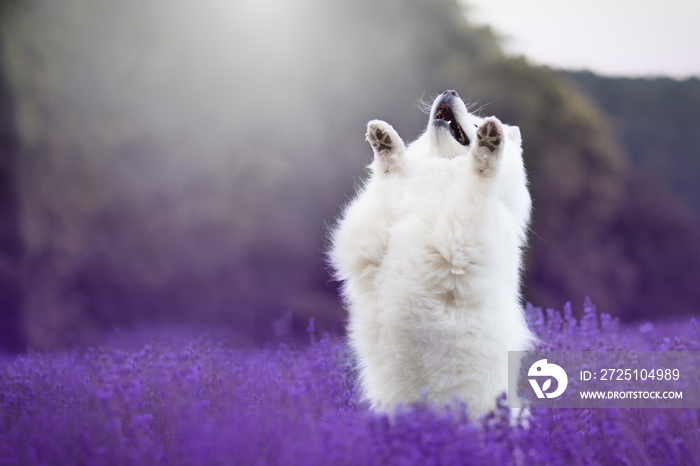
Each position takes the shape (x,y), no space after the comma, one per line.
(445,113)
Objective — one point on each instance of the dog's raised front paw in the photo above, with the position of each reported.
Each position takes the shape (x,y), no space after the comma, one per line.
(489,146)
(387,144)
(490,134)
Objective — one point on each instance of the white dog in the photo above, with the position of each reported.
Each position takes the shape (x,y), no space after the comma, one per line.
(429,254)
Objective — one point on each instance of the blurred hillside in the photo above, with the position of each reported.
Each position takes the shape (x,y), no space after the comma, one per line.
(657,120)
(166,161)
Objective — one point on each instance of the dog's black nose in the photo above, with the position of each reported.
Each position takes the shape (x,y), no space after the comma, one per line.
(452,93)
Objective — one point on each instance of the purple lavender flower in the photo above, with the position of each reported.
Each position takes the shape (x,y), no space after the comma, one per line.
(207,400)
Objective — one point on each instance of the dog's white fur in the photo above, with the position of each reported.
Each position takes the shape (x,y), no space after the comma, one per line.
(429,254)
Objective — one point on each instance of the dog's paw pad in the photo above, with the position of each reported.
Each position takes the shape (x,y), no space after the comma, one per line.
(490,134)
(378,135)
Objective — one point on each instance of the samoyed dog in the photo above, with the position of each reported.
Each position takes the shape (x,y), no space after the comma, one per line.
(429,255)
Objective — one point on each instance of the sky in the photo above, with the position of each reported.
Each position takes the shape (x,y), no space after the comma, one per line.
(609,37)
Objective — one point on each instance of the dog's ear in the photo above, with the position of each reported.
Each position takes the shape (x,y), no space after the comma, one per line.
(513,134)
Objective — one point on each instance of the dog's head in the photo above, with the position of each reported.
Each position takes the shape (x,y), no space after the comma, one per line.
(451,128)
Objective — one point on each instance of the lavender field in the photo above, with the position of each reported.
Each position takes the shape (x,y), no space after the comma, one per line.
(208,400)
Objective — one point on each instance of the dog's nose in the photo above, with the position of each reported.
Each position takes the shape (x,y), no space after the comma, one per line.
(450,92)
